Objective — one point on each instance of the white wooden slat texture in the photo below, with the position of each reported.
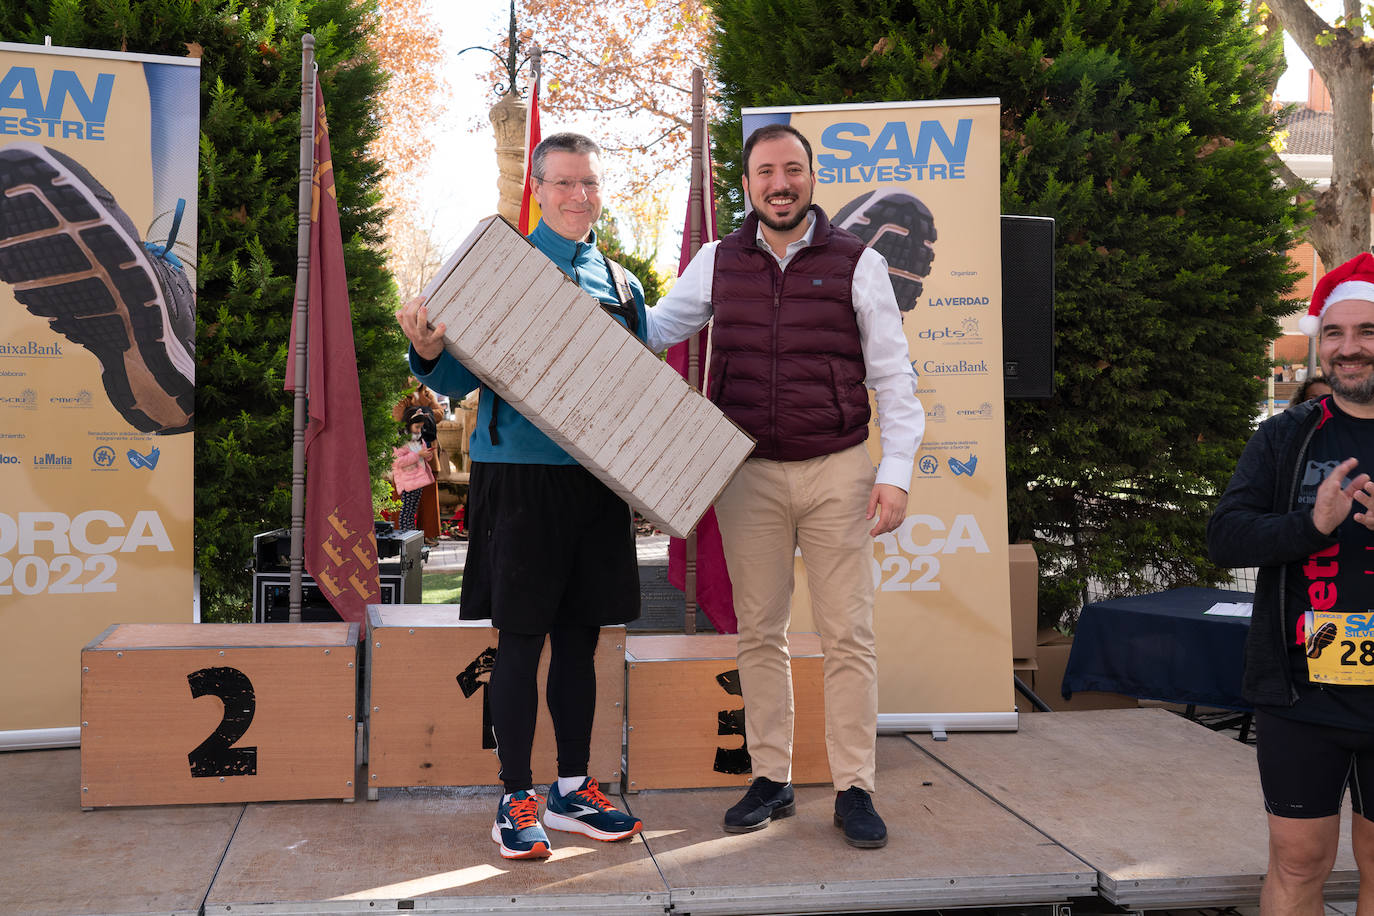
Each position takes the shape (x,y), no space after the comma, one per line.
(550,351)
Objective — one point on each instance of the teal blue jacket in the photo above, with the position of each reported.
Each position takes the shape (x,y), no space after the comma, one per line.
(518,440)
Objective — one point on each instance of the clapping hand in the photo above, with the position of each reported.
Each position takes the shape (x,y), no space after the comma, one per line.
(1334,498)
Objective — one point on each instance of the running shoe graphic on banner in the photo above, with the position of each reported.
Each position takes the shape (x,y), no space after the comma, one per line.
(901,229)
(74,258)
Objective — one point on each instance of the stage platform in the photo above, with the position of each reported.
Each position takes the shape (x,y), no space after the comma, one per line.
(1139,809)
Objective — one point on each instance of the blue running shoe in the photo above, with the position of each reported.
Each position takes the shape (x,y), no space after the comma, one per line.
(517,828)
(587,810)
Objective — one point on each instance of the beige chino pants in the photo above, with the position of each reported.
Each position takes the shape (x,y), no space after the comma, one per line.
(767,511)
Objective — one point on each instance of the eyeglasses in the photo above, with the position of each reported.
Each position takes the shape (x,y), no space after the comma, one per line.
(567,185)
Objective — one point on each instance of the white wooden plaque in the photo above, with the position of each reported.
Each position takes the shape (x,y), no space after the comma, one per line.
(551,352)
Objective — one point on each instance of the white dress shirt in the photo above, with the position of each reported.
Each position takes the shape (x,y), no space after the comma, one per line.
(686,309)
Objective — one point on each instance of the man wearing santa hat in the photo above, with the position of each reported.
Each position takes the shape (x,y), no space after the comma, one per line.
(1299,508)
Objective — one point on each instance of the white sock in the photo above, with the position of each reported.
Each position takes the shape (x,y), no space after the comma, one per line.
(568,784)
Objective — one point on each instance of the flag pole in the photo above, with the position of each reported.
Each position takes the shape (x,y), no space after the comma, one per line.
(301,415)
(695,220)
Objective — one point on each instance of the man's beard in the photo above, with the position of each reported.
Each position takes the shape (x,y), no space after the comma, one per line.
(780,225)
(1360,392)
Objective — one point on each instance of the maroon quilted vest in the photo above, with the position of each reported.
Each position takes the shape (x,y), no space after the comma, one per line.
(786,360)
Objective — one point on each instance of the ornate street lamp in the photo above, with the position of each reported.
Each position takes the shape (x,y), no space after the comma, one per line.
(508,118)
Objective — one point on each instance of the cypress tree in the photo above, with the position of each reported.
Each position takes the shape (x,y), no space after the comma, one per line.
(249,159)
(1141,128)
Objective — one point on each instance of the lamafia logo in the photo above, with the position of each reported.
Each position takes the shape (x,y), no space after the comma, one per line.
(911,554)
(59,107)
(851,152)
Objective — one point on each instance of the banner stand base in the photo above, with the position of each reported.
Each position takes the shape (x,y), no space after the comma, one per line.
(38,739)
(896,723)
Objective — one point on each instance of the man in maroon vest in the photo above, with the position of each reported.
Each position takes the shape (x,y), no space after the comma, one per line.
(805,321)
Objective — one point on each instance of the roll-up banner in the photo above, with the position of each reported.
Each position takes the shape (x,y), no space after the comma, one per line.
(98,156)
(920,182)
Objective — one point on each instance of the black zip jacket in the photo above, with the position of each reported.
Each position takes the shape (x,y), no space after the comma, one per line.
(1258,523)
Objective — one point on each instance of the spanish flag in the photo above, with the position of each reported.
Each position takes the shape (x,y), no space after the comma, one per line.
(529,207)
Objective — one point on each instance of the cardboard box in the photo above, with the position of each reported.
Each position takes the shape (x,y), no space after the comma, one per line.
(550,351)
(1024,570)
(686,716)
(428,722)
(1052,658)
(203,713)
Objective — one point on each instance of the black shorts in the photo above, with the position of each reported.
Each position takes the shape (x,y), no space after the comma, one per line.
(1304,768)
(547,544)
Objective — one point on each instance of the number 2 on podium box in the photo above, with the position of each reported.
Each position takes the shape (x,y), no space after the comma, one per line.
(204,713)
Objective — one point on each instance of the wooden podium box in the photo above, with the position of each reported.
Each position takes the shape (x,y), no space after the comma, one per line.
(200,713)
(428,720)
(551,352)
(686,717)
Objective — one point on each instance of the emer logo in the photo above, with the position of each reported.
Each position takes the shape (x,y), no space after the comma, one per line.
(30,109)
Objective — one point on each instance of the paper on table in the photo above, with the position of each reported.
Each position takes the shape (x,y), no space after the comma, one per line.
(1229,609)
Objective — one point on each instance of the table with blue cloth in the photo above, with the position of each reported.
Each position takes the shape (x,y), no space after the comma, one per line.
(1162,646)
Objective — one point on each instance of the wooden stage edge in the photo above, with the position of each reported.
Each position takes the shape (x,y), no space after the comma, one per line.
(1138,809)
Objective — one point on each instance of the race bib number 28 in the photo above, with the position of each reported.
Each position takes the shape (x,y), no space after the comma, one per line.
(1340,648)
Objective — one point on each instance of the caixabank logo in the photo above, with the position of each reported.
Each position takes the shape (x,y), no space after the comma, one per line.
(24,400)
(31,348)
(955,367)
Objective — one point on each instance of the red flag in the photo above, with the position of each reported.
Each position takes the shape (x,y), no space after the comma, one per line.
(529,207)
(340,544)
(714,592)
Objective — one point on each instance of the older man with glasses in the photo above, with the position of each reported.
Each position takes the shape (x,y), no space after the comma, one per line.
(551,553)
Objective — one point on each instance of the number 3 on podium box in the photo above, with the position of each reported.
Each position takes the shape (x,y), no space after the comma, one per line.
(205,713)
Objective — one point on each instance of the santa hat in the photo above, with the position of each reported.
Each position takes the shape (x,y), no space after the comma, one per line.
(1352,280)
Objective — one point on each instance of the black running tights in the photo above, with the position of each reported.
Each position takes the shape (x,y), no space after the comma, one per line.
(570,693)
